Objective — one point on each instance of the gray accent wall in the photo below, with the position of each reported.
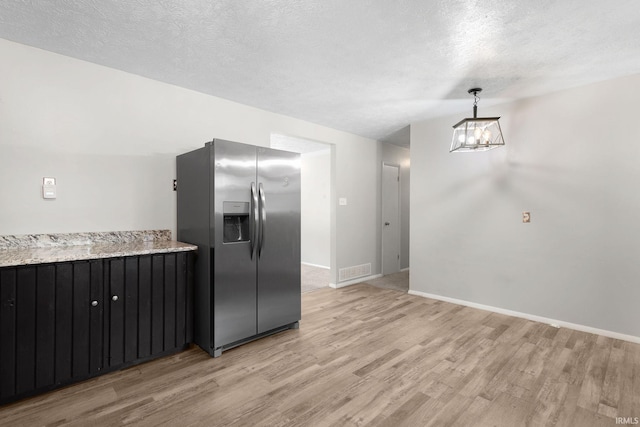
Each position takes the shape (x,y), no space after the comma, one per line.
(572,159)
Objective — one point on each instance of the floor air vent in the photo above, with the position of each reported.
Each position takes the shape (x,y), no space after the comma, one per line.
(354,272)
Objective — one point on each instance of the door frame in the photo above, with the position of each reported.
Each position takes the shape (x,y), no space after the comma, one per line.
(382,199)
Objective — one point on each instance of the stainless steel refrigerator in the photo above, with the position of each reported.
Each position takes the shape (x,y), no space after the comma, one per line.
(240,204)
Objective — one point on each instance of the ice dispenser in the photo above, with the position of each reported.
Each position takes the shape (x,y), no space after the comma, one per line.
(236,222)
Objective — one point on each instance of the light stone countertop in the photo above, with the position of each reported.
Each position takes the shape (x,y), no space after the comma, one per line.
(28,255)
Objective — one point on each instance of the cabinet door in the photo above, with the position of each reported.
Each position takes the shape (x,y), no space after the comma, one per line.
(26,329)
(26,320)
(49,330)
(168,302)
(148,304)
(176,301)
(79,307)
(128,314)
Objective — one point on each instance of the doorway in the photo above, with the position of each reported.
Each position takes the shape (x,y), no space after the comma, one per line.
(316,232)
(390,218)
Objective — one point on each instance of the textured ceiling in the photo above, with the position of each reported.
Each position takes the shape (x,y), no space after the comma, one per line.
(369,67)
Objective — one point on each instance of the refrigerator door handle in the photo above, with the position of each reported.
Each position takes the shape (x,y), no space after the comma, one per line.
(263,218)
(253,220)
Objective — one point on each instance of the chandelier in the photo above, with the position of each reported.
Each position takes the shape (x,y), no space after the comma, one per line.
(476,133)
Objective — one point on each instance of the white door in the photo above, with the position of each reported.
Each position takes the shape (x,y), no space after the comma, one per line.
(390,219)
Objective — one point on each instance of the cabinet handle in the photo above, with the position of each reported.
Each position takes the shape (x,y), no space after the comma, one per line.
(114,298)
(94,303)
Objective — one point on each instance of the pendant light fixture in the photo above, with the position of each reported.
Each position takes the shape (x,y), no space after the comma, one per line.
(477,133)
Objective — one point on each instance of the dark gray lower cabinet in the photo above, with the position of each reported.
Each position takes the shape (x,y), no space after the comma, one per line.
(66,322)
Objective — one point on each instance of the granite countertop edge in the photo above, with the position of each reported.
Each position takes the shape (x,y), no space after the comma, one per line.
(13,257)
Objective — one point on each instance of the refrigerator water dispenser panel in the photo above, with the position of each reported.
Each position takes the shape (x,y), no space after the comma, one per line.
(236,222)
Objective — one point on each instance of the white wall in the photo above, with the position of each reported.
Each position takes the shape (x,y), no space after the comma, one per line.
(110,138)
(572,158)
(316,208)
(393,154)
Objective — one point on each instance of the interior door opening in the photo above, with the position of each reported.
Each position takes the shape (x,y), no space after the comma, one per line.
(317,223)
(390,218)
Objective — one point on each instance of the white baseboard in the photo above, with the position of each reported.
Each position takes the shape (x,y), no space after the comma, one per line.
(405,269)
(354,281)
(315,265)
(532,317)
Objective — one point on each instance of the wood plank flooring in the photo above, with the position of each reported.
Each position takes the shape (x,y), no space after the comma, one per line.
(366,356)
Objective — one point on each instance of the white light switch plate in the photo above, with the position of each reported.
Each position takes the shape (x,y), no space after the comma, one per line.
(342,201)
(48,188)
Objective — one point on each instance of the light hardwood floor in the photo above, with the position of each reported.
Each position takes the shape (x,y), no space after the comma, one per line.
(368,356)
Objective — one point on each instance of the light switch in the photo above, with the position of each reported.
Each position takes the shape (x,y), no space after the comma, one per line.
(48,188)
(342,201)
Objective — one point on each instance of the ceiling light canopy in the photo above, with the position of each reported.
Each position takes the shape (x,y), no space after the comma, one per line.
(477,133)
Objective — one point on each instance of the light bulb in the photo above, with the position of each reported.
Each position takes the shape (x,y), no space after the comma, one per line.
(461,138)
(471,140)
(477,133)
(487,136)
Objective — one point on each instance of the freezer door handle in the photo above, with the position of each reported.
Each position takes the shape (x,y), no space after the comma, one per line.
(263,218)
(253,220)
